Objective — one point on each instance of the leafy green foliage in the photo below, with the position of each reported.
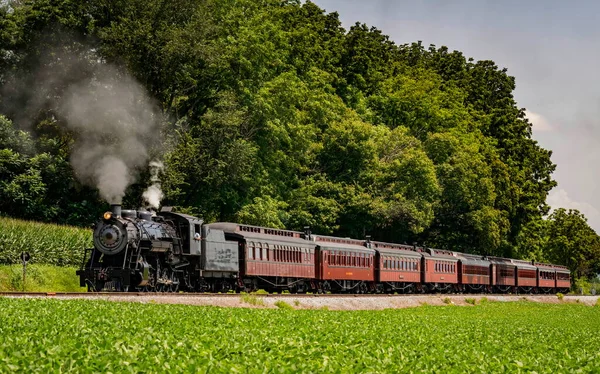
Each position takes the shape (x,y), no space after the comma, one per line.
(46,243)
(281,117)
(153,337)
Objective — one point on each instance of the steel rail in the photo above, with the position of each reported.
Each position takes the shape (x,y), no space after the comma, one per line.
(190,294)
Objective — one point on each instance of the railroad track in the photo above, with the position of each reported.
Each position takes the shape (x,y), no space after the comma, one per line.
(191,294)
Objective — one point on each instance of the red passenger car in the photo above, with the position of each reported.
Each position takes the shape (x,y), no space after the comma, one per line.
(272,258)
(344,264)
(504,274)
(474,273)
(526,275)
(439,269)
(397,267)
(546,277)
(563,278)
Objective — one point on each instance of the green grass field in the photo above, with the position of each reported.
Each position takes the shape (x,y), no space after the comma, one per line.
(40,278)
(94,336)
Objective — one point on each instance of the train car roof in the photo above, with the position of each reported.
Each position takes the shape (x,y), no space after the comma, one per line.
(544,266)
(442,254)
(396,249)
(472,260)
(561,269)
(399,252)
(521,264)
(250,232)
(499,260)
(336,243)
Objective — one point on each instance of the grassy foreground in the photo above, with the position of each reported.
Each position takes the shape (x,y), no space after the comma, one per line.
(95,336)
(40,278)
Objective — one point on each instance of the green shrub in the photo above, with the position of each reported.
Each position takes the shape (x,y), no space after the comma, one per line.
(297,302)
(261,292)
(470,300)
(252,300)
(560,296)
(283,305)
(448,301)
(46,243)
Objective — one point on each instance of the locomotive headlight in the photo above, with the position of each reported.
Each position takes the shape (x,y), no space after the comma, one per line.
(107,215)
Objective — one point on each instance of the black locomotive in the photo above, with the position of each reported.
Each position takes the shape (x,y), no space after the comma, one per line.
(164,252)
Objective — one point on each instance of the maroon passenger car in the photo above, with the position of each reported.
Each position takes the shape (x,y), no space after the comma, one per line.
(344,264)
(546,277)
(397,267)
(526,275)
(439,269)
(474,273)
(563,278)
(272,258)
(503,275)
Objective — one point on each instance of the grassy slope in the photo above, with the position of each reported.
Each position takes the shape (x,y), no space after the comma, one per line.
(40,278)
(54,335)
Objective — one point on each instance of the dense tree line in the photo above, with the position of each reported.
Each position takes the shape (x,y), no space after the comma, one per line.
(278,116)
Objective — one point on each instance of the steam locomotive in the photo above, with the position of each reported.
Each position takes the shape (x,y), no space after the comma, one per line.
(169,251)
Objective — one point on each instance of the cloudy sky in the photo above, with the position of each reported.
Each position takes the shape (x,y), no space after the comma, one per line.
(552,49)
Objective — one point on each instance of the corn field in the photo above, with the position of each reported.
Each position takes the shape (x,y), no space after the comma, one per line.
(46,243)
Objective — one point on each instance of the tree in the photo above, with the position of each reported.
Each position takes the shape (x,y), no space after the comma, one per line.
(571,242)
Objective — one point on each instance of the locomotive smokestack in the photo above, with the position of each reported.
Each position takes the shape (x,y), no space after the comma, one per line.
(115,209)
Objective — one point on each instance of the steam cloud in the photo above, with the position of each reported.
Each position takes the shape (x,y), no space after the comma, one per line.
(153,194)
(113,120)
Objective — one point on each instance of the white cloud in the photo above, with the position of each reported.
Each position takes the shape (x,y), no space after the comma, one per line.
(559,198)
(539,122)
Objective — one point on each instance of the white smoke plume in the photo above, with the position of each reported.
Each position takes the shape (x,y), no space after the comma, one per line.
(113,121)
(153,194)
